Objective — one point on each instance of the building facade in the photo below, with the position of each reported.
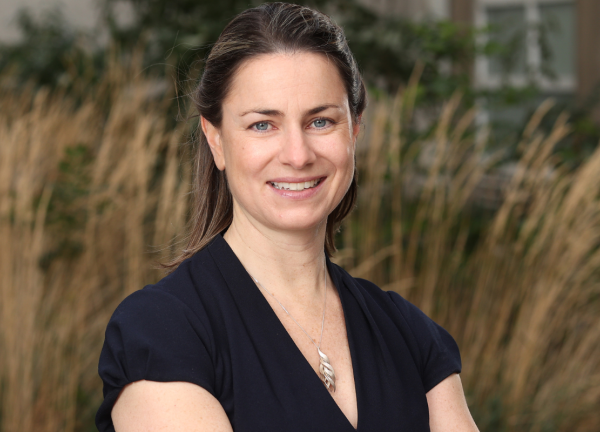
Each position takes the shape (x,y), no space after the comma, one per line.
(568,29)
(562,36)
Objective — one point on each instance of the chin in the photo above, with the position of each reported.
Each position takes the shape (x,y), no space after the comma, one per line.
(298,223)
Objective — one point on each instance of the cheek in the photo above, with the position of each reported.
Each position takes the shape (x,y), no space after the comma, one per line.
(346,159)
(245,163)
(238,157)
(343,159)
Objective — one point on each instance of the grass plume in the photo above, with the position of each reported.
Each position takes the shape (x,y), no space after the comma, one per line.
(94,190)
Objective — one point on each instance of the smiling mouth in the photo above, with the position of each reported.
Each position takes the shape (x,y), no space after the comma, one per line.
(296,186)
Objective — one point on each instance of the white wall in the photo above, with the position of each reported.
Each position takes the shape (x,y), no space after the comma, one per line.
(80,13)
(84,13)
(416,9)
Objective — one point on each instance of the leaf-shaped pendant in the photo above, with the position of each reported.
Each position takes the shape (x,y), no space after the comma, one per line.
(327,374)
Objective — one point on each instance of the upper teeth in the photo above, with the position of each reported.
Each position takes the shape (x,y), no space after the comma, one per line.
(295,186)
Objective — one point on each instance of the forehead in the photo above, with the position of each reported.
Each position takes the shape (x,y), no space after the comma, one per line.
(286,81)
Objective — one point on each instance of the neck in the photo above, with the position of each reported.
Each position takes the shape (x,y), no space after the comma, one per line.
(289,264)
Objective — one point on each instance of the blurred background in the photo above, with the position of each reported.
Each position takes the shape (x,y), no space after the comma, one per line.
(479,200)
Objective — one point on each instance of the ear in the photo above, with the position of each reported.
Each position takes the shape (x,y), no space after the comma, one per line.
(213,136)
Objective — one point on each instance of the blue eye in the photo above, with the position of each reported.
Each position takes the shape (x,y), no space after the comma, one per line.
(320,123)
(262,126)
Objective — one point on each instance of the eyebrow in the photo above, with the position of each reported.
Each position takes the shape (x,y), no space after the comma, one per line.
(277,113)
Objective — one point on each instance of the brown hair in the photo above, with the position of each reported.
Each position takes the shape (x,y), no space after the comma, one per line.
(266,29)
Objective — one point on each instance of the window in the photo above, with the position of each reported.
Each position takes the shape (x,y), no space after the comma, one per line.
(538,44)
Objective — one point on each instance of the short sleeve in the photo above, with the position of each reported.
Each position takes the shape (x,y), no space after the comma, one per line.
(438,354)
(153,336)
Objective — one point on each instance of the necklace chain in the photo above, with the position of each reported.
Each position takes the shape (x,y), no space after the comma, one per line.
(290,315)
(325,368)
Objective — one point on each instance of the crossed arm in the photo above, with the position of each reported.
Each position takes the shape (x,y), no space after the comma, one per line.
(150,406)
(448,410)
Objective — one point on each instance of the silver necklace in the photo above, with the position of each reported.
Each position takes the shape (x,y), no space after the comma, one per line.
(325,368)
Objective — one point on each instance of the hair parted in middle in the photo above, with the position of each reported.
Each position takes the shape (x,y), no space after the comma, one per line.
(267,29)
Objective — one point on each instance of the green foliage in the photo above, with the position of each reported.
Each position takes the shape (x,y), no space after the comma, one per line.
(176,36)
(386,48)
(67,213)
(50,51)
(491,416)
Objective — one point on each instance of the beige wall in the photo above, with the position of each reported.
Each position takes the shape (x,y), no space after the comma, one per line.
(461,11)
(416,9)
(588,46)
(82,14)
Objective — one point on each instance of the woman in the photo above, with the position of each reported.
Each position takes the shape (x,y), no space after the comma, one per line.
(256,330)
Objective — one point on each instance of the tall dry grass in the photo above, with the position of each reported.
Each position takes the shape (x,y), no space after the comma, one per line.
(523,299)
(111,205)
(90,186)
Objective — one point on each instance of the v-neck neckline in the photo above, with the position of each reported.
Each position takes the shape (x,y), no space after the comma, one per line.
(240,282)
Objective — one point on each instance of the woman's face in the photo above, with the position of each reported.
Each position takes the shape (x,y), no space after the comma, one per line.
(286,140)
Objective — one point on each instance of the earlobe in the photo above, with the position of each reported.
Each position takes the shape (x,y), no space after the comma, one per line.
(213,137)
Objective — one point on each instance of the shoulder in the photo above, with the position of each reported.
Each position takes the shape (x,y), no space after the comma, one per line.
(433,349)
(159,327)
(390,302)
(411,314)
(402,311)
(173,322)
(184,295)
(184,300)
(196,286)
(168,331)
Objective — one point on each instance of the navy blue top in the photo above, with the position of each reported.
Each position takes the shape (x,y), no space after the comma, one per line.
(207,323)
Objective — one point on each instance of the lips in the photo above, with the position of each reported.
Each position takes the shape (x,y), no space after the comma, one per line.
(296,186)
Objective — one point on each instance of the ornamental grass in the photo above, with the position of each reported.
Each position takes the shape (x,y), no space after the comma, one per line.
(504,253)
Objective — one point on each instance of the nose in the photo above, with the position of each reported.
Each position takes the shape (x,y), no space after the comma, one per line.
(296,150)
